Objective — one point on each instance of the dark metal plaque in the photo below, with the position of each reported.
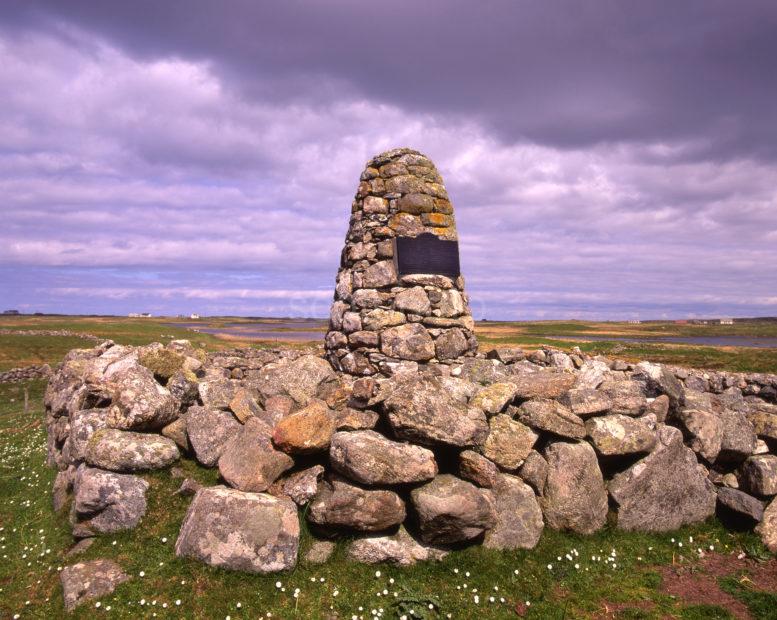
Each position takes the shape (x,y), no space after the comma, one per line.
(426,253)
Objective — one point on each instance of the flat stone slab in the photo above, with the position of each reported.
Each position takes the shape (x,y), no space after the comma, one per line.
(232,529)
(87,581)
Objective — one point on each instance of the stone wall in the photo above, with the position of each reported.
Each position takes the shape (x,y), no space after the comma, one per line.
(380,322)
(26,373)
(483,450)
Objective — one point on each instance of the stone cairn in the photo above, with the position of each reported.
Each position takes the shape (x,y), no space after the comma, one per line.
(381,320)
(481,449)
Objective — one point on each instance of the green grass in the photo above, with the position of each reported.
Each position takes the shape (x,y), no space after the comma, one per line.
(34,541)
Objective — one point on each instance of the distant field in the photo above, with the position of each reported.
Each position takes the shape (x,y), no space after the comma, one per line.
(25,350)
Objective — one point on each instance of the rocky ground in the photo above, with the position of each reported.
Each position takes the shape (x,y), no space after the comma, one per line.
(475,451)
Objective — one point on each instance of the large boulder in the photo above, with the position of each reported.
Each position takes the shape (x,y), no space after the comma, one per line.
(551,416)
(249,462)
(574,497)
(763,417)
(369,458)
(232,529)
(451,510)
(518,515)
(509,441)
(665,490)
(704,431)
(209,430)
(126,451)
(307,431)
(340,504)
(617,435)
(106,502)
(591,374)
(410,341)
(298,378)
(86,581)
(758,474)
(420,410)
(399,549)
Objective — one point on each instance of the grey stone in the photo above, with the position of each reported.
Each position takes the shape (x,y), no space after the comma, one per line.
(319,552)
(741,503)
(665,490)
(176,431)
(574,497)
(413,300)
(87,581)
(738,437)
(399,549)
(451,510)
(477,468)
(218,393)
(767,528)
(351,322)
(659,407)
(627,397)
(616,435)
(340,504)
(369,458)
(451,304)
(379,319)
(366,298)
(591,374)
(661,381)
(506,355)
(379,275)
(209,430)
(452,343)
(249,462)
(244,406)
(105,502)
(704,430)
(759,474)
(534,471)
(301,486)
(509,442)
(232,529)
(127,452)
(493,398)
(298,378)
(542,384)
(420,410)
(551,416)
(518,515)
(586,402)
(410,341)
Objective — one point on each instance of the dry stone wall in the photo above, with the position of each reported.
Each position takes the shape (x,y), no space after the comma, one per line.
(484,450)
(381,321)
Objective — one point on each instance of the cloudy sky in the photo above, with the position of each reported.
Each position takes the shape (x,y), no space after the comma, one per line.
(606,159)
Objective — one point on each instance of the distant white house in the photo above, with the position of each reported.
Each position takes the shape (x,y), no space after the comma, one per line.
(194,315)
(726,321)
(139,315)
(635,321)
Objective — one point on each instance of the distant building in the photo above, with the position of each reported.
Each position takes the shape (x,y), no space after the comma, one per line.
(726,321)
(11,312)
(139,315)
(681,322)
(194,315)
(634,321)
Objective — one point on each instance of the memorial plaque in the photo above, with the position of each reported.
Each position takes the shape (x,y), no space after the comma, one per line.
(426,253)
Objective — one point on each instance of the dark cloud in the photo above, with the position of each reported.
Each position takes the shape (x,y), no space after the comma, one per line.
(605,159)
